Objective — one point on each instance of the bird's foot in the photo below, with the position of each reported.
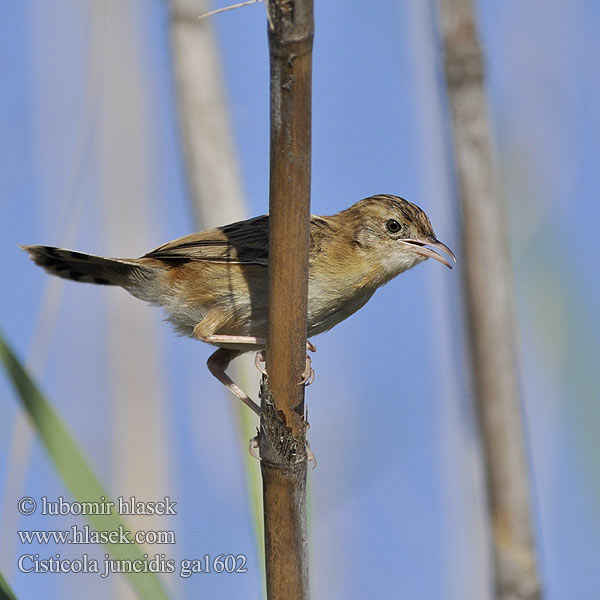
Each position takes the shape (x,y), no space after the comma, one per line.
(308,375)
(253,450)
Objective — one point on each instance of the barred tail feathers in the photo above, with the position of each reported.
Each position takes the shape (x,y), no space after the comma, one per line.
(88,268)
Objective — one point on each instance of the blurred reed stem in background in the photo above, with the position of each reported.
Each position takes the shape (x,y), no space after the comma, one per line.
(489,299)
(213,177)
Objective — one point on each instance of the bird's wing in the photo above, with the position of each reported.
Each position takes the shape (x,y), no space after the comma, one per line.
(244,242)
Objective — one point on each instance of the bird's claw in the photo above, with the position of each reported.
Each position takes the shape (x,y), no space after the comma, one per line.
(308,376)
(259,359)
(310,456)
(253,447)
(309,373)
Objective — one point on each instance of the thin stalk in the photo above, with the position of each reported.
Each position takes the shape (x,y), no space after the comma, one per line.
(213,174)
(212,166)
(282,438)
(490,310)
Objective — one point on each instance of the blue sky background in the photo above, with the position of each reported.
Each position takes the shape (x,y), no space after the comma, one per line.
(397,499)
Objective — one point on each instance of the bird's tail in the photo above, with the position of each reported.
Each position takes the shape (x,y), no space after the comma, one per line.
(89,268)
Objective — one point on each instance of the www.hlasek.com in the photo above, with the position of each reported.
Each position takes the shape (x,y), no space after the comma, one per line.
(141,563)
(86,535)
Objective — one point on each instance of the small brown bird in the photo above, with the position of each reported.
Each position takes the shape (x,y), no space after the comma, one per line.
(213,284)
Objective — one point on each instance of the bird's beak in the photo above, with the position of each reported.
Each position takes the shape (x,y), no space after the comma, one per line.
(419,246)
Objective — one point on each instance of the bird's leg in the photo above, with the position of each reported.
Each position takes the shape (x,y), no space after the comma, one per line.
(213,321)
(217,363)
(219,360)
(231,339)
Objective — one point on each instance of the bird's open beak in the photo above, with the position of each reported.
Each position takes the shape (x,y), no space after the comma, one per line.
(420,246)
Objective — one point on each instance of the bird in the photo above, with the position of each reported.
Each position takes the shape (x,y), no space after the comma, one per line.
(212,285)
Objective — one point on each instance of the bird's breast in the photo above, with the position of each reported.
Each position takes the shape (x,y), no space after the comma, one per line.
(329,304)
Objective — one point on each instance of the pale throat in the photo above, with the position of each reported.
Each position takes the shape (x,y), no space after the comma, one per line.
(398,262)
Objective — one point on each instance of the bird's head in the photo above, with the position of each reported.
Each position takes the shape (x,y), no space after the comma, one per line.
(395,233)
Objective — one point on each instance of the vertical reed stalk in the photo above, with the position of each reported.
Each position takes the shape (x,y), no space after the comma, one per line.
(213,173)
(490,309)
(282,438)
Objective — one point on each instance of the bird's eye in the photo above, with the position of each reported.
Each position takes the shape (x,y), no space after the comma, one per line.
(393,226)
